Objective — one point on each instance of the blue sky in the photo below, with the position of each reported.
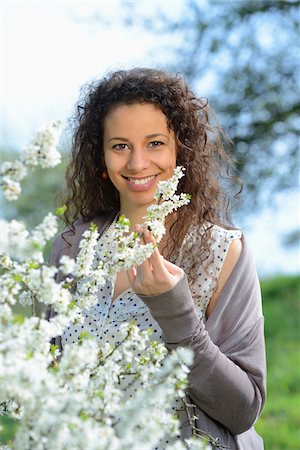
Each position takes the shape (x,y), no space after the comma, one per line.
(49,49)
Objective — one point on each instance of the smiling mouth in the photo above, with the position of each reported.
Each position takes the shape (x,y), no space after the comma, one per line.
(140,180)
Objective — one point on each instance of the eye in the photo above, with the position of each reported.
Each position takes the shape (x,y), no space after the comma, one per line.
(156,143)
(120,146)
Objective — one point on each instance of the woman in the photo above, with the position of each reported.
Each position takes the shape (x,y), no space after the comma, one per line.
(199,288)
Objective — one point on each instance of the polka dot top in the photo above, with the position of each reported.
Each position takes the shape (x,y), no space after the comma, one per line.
(103,320)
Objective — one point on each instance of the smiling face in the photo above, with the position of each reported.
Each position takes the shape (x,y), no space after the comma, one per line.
(139,151)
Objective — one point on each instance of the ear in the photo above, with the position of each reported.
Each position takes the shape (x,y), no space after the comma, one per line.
(104,175)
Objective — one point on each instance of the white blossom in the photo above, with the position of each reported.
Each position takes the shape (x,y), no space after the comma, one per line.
(17,242)
(15,170)
(5,262)
(76,399)
(127,250)
(12,237)
(45,231)
(41,152)
(11,188)
(85,257)
(66,264)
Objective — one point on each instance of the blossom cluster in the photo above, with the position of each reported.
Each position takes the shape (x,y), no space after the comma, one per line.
(41,152)
(75,399)
(167,202)
(78,402)
(127,250)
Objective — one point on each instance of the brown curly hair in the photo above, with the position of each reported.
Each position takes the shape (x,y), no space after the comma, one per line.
(202,148)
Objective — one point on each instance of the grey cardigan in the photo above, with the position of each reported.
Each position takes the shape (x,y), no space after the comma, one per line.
(227,379)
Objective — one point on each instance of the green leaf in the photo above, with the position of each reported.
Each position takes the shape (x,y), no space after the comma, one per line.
(53,348)
(84,335)
(84,416)
(72,304)
(17,278)
(29,354)
(93,227)
(60,210)
(18,319)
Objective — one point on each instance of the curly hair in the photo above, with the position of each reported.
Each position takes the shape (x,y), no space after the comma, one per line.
(202,148)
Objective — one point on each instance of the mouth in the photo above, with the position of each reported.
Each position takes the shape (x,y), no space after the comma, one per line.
(141,184)
(140,181)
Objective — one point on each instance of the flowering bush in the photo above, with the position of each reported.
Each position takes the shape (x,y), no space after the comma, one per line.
(75,400)
(41,152)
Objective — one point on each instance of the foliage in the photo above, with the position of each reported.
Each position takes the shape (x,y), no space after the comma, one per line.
(280,420)
(247,50)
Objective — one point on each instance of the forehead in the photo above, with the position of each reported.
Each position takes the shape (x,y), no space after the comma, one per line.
(139,116)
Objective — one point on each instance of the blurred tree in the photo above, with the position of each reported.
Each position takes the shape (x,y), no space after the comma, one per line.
(291,239)
(249,52)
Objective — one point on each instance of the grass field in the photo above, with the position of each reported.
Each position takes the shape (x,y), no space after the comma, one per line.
(280,422)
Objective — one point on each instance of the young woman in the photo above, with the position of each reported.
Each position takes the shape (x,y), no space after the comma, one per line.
(199,288)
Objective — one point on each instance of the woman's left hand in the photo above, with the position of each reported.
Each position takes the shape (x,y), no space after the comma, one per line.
(156,275)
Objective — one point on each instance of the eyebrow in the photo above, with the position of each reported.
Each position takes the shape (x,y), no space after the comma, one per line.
(150,136)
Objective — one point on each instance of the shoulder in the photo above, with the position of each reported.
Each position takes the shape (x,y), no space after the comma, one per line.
(220,234)
(222,243)
(215,233)
(232,256)
(67,242)
(238,275)
(74,232)
(226,246)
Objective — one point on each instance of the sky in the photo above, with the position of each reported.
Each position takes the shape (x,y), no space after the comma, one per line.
(50,49)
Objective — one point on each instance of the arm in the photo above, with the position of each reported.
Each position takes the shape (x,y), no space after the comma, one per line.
(223,388)
(227,378)
(232,257)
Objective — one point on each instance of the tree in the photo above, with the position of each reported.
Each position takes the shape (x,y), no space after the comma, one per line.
(250,51)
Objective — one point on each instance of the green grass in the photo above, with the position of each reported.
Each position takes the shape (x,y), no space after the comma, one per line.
(280,421)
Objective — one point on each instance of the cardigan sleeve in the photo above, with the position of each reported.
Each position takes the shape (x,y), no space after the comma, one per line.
(227,378)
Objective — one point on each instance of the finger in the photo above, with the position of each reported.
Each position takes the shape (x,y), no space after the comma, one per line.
(131,274)
(145,267)
(156,258)
(173,269)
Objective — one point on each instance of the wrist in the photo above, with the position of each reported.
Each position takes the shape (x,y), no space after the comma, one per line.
(175,312)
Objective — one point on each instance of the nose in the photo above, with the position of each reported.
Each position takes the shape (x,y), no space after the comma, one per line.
(138,160)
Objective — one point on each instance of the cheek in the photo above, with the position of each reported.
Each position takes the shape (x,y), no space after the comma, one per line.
(169,159)
(172,160)
(110,163)
(106,159)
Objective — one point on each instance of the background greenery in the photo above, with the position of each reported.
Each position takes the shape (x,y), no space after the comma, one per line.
(280,421)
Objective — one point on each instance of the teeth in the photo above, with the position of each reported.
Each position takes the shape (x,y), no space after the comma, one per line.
(141,180)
